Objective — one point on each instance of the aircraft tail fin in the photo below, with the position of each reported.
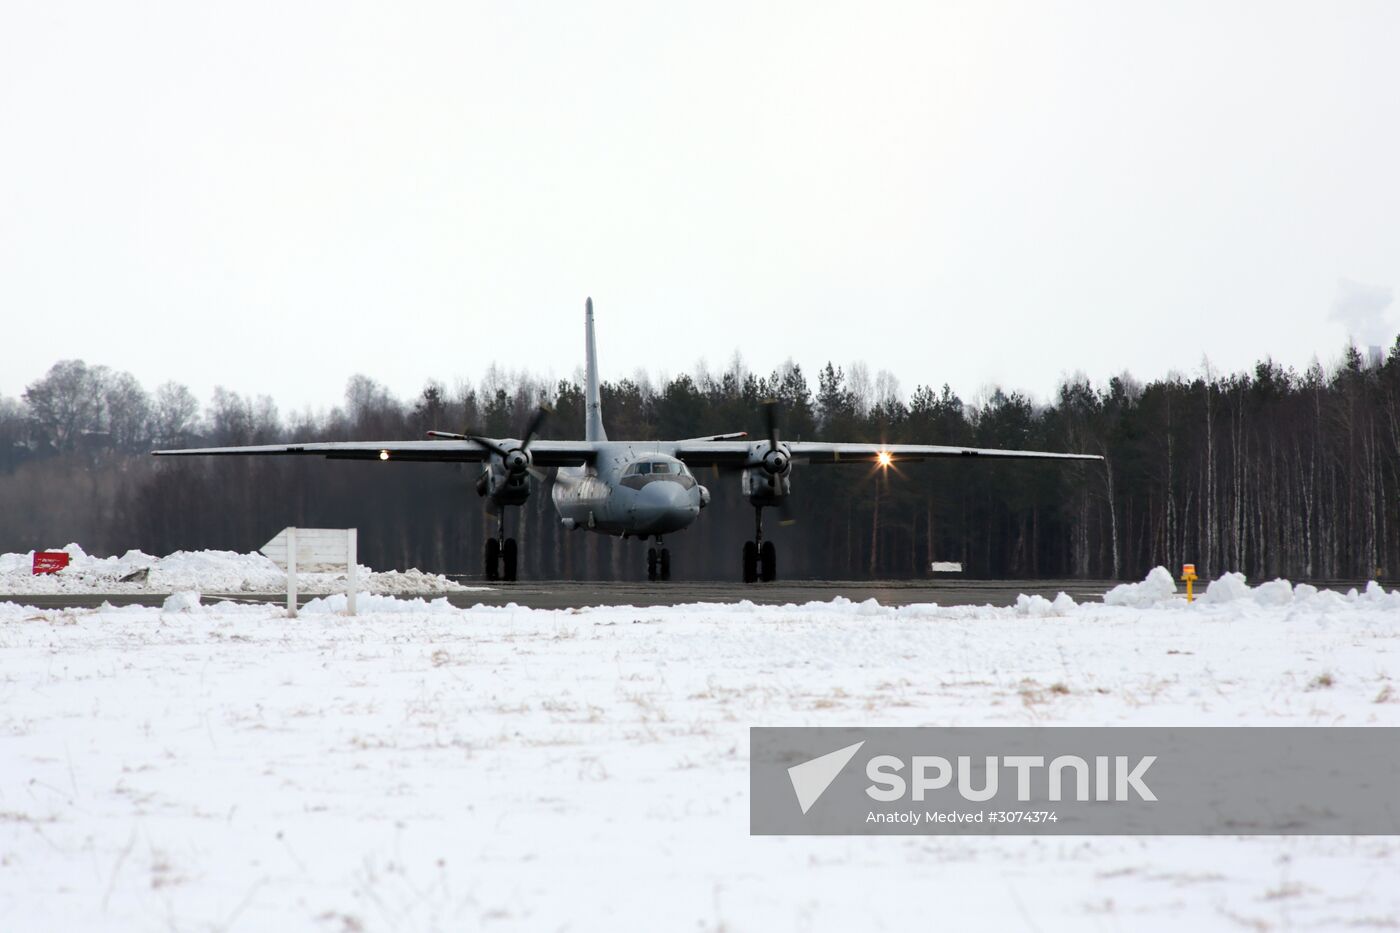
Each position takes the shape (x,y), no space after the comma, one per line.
(593,404)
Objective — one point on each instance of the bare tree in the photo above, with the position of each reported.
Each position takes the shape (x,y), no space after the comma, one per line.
(175,416)
(230,418)
(13,418)
(66,403)
(128,411)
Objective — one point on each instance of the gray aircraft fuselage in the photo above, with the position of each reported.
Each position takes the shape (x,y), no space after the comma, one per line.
(632,488)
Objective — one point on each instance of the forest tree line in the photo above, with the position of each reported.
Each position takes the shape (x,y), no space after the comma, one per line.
(1272,472)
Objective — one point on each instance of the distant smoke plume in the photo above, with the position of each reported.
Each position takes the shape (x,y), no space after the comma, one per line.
(1361,308)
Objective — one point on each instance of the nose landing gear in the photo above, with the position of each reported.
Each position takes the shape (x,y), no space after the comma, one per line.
(658,563)
(760,557)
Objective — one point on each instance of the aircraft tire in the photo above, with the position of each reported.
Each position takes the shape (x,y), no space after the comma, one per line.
(508,561)
(493,559)
(750,562)
(663,567)
(768,562)
(651,564)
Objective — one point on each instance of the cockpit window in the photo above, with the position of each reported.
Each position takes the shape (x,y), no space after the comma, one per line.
(641,473)
(656,467)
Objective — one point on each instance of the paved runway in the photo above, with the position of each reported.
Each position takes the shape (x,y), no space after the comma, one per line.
(567,594)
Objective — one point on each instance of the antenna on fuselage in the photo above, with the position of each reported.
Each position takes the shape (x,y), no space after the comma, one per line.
(593,403)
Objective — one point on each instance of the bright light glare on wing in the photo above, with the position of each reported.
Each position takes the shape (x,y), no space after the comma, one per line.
(384,455)
(884,458)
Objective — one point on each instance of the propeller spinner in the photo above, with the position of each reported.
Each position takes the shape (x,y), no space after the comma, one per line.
(775,461)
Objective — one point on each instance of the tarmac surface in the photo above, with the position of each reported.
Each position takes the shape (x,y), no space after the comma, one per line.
(569,594)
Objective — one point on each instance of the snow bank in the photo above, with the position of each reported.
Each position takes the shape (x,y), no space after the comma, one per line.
(1231,589)
(1228,589)
(1224,600)
(181,602)
(1157,588)
(203,571)
(1038,607)
(1275,593)
(338,603)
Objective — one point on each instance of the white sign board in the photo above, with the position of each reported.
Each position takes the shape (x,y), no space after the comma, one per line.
(946,566)
(315,550)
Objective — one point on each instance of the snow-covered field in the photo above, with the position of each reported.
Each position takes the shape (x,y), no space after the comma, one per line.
(205,571)
(424,767)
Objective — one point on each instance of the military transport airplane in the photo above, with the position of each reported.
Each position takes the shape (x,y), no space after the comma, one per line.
(637,489)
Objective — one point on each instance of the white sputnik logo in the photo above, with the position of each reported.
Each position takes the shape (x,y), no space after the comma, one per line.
(811,778)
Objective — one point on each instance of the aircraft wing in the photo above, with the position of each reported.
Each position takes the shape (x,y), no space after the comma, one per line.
(731,454)
(542,453)
(817,452)
(702,452)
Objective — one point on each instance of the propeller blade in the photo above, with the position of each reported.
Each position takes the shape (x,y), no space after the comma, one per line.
(770,416)
(786,516)
(533,428)
(485,443)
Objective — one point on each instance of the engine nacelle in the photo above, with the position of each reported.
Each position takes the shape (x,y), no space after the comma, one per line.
(763,488)
(503,486)
(770,478)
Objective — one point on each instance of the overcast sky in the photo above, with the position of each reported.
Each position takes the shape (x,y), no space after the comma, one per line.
(273,196)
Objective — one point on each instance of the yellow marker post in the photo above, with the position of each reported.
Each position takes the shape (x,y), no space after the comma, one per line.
(1188,575)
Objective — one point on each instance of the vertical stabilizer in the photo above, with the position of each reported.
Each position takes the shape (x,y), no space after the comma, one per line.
(593,403)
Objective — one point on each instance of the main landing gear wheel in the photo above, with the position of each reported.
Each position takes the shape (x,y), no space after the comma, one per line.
(760,557)
(750,562)
(767,562)
(508,560)
(651,564)
(493,559)
(501,559)
(663,567)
